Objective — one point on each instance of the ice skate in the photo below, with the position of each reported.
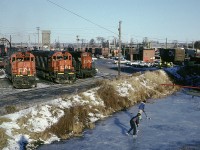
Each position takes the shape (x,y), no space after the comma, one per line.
(134,136)
(127,133)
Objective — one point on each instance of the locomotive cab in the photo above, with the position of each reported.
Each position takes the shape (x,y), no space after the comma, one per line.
(55,66)
(20,68)
(83,64)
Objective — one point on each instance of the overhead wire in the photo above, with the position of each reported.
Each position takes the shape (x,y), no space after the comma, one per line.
(87,28)
(100,26)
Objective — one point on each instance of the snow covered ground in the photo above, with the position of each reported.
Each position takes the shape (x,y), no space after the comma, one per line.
(41,117)
(2,73)
(7,88)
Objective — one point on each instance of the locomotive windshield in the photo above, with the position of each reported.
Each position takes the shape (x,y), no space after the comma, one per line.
(13,59)
(27,59)
(65,57)
(20,59)
(59,57)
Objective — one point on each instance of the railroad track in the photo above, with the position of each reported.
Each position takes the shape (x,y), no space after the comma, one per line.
(35,96)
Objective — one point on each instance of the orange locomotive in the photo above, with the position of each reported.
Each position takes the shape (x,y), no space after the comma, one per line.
(55,66)
(20,68)
(83,64)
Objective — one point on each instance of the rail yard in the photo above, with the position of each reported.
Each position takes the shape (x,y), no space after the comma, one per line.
(73,74)
(25,98)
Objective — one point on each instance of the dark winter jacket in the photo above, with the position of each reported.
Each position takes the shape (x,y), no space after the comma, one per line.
(135,119)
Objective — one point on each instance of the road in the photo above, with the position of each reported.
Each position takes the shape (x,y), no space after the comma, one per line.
(107,66)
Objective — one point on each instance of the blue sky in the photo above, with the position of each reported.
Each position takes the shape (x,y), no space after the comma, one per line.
(155,19)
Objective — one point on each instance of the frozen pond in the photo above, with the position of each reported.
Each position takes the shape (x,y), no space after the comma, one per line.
(175,125)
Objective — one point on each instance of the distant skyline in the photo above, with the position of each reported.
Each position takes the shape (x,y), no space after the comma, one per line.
(154,19)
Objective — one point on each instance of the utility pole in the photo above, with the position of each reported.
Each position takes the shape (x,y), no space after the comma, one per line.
(29,41)
(119,53)
(131,49)
(124,49)
(10,41)
(187,43)
(166,44)
(58,43)
(192,44)
(88,45)
(77,42)
(38,29)
(114,43)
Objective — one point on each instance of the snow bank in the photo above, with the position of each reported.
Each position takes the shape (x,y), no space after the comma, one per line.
(124,88)
(2,74)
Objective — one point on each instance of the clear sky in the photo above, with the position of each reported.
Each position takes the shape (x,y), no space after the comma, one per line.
(155,19)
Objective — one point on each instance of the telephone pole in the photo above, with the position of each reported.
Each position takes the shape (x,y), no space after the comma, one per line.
(192,44)
(38,29)
(77,38)
(119,53)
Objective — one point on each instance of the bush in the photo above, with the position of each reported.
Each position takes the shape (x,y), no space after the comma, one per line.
(10,109)
(74,121)
(111,98)
(4,138)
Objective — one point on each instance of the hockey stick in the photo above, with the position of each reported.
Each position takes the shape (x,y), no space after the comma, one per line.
(146,115)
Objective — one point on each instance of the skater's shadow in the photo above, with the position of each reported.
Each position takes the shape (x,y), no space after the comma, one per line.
(121,126)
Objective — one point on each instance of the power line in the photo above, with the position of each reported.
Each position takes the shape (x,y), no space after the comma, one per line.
(81,17)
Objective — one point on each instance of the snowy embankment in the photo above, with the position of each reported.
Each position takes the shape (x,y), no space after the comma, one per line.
(65,117)
(7,89)
(2,74)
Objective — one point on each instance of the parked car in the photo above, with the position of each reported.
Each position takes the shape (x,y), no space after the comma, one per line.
(122,61)
(156,63)
(94,58)
(133,63)
(101,57)
(128,63)
(145,64)
(148,64)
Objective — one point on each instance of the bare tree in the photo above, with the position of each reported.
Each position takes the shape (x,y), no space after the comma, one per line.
(82,42)
(197,45)
(105,44)
(92,42)
(100,40)
(57,45)
(145,42)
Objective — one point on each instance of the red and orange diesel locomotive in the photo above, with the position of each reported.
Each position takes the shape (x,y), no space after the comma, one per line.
(54,66)
(82,62)
(20,68)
